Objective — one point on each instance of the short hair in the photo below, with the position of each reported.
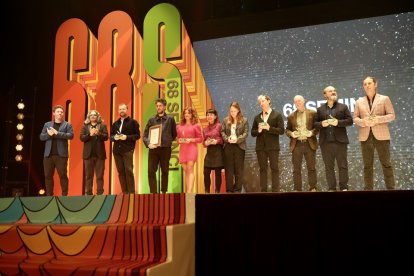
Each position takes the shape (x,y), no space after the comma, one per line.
(123,104)
(298,96)
(213,111)
(161,101)
(374,80)
(58,106)
(266,97)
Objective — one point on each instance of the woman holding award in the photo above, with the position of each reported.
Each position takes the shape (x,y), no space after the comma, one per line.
(188,135)
(234,131)
(214,157)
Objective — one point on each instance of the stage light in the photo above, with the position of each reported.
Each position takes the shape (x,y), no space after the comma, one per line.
(42,191)
(20,116)
(20,126)
(19,158)
(19,147)
(20,105)
(19,137)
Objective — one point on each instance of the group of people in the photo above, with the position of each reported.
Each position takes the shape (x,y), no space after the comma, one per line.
(226,143)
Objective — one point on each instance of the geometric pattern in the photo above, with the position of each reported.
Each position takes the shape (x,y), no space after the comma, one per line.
(105,234)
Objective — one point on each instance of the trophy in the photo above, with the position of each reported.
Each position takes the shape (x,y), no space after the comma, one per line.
(331,120)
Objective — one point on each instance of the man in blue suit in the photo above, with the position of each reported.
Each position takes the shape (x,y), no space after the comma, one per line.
(56,134)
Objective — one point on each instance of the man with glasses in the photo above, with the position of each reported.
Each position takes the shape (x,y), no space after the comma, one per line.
(93,134)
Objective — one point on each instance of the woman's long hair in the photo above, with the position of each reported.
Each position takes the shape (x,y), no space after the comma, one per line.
(99,118)
(193,113)
(239,115)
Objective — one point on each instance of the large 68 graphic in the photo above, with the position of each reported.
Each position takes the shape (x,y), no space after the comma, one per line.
(117,67)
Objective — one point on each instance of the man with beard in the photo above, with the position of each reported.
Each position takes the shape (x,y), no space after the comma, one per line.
(331,120)
(160,154)
(124,133)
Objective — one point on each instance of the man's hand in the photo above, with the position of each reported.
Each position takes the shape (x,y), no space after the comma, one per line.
(334,122)
(152,146)
(308,133)
(294,134)
(51,131)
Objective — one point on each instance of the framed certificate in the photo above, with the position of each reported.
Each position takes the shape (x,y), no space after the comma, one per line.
(154,135)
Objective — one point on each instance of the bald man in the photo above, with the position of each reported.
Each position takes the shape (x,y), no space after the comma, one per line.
(331,121)
(303,143)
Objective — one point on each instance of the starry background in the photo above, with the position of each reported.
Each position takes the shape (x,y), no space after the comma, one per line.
(304,61)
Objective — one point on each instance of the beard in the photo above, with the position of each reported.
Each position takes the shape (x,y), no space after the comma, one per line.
(333,98)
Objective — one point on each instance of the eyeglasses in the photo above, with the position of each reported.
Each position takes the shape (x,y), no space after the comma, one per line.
(93,115)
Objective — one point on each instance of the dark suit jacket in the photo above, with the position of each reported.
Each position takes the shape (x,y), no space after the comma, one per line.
(242,130)
(344,119)
(65,133)
(268,139)
(90,141)
(130,128)
(292,125)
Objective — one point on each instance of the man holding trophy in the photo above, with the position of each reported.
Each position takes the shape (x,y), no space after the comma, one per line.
(267,127)
(372,115)
(332,119)
(303,143)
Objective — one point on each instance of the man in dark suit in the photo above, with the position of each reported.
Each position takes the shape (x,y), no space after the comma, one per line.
(94,133)
(332,119)
(56,134)
(267,126)
(303,143)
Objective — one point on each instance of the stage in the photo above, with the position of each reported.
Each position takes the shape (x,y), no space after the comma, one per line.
(305,233)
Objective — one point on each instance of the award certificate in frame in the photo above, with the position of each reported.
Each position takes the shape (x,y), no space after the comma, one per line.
(154,135)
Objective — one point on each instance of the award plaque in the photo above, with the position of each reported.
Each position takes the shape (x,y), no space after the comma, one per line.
(155,135)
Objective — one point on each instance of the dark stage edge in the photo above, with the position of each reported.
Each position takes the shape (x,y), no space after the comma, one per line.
(305,233)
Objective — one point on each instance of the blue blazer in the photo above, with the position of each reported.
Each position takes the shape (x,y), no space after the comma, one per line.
(65,133)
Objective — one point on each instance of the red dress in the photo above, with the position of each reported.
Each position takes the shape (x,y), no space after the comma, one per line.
(188,152)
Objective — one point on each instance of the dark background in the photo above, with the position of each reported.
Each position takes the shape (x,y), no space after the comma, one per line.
(28,31)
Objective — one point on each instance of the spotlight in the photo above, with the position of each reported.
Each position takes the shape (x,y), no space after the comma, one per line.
(19,147)
(19,137)
(42,191)
(20,116)
(20,105)
(20,126)
(19,158)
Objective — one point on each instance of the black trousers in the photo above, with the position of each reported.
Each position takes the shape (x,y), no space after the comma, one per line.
(60,164)
(303,149)
(125,167)
(383,149)
(158,156)
(330,153)
(265,157)
(207,179)
(234,167)
(98,165)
